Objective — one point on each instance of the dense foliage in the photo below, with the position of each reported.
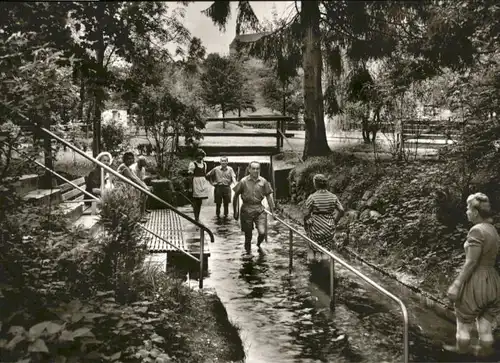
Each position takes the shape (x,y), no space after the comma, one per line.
(67,296)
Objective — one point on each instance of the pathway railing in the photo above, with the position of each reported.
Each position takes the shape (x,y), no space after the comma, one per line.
(334,258)
(95,199)
(124,179)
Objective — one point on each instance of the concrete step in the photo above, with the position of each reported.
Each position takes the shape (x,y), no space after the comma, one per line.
(72,211)
(89,223)
(44,196)
(25,183)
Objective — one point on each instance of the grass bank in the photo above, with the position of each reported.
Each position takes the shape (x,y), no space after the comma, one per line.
(407,219)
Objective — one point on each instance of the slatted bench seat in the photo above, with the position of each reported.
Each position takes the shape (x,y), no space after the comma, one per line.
(70,193)
(73,206)
(73,199)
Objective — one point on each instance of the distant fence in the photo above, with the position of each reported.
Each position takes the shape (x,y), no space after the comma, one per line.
(431,133)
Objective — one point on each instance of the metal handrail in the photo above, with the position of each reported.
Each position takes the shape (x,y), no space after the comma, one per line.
(130,182)
(357,273)
(94,198)
(291,147)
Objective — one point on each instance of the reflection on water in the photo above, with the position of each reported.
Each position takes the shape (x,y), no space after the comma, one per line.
(280,319)
(285,318)
(254,272)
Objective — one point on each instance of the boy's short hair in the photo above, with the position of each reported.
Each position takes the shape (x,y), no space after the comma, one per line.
(128,154)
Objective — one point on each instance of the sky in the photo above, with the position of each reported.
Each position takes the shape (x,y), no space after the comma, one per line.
(216,41)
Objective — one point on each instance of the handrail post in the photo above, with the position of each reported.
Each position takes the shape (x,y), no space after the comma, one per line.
(129,182)
(94,200)
(102,180)
(332,284)
(290,251)
(266,228)
(202,248)
(365,278)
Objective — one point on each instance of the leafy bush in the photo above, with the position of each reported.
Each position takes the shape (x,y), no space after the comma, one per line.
(123,252)
(114,137)
(68,297)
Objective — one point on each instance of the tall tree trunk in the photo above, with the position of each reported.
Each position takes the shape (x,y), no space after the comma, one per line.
(88,118)
(82,96)
(285,88)
(223,116)
(99,89)
(312,62)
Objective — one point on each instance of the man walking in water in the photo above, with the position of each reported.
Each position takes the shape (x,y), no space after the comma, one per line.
(223,176)
(253,189)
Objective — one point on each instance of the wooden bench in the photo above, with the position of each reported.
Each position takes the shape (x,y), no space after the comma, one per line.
(71,195)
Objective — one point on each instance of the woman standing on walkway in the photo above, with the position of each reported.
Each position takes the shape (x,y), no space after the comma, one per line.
(321,217)
(476,290)
(200,186)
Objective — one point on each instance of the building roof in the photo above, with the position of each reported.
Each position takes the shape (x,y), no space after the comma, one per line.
(247,38)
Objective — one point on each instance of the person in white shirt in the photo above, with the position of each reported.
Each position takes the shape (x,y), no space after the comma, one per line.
(139,169)
(223,177)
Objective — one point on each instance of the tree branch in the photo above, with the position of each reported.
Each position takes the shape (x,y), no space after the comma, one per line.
(398,25)
(109,57)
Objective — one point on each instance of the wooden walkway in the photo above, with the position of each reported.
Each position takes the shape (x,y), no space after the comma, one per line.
(175,230)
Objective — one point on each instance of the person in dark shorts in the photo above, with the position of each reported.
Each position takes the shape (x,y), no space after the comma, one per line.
(222,177)
(253,189)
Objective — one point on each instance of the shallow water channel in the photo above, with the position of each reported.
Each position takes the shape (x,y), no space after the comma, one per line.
(286,318)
